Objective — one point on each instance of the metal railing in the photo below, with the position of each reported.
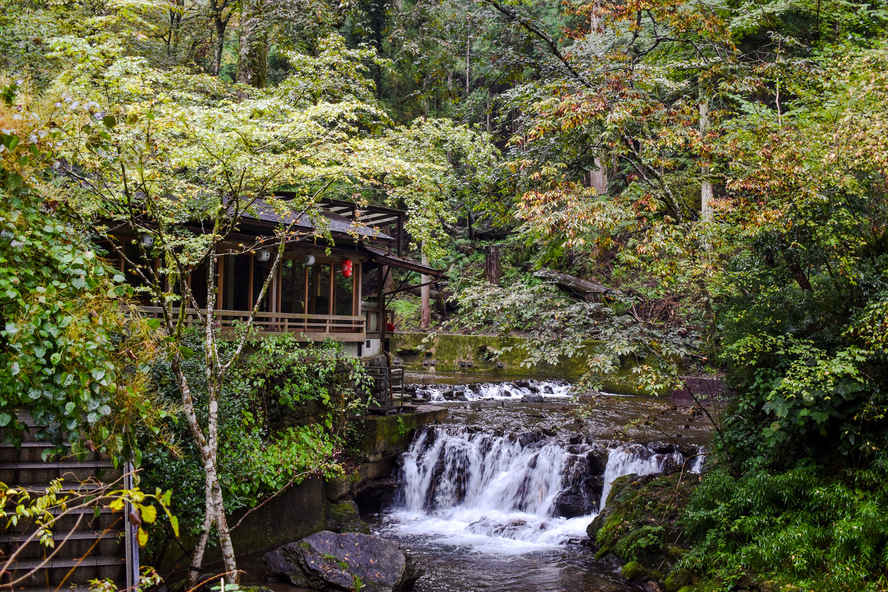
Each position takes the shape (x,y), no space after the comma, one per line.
(387,394)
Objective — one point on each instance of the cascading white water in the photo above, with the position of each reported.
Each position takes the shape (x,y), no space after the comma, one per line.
(636,459)
(485,491)
(694,464)
(501,494)
(494,390)
(481,472)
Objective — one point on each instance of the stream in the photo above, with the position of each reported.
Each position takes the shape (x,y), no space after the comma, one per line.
(498,496)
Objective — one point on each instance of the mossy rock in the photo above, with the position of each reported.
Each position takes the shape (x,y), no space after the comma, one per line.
(748,580)
(678,579)
(343,517)
(341,486)
(640,524)
(635,572)
(674,552)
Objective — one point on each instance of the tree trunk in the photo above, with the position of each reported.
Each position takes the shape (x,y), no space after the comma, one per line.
(207,440)
(598,177)
(207,444)
(220,22)
(706,185)
(425,313)
(493,271)
(252,59)
(589,290)
(468,64)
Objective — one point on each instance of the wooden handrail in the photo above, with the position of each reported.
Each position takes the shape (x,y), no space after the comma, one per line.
(280,322)
(157,311)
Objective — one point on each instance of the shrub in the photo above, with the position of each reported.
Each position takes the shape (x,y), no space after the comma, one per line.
(284,415)
(802,526)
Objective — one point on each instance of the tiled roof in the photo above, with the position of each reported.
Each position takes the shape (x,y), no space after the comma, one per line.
(280,213)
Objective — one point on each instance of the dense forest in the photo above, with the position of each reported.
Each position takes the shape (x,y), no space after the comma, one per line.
(717,169)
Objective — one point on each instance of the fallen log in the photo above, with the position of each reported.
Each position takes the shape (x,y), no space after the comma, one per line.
(589,290)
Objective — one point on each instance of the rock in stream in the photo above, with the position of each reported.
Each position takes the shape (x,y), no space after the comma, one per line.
(333,562)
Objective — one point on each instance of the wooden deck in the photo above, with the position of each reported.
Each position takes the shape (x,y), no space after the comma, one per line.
(310,327)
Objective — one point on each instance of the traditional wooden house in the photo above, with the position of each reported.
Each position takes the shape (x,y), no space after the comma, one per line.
(335,286)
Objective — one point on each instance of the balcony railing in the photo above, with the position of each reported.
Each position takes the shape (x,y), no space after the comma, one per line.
(314,327)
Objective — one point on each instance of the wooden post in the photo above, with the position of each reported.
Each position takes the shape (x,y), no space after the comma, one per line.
(493,271)
(383,274)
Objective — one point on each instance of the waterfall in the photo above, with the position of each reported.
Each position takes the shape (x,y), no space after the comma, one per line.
(636,459)
(510,493)
(481,472)
(491,492)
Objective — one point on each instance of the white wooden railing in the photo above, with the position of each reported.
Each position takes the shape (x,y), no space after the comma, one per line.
(314,326)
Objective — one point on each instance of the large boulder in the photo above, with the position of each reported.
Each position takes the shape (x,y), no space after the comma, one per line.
(580,499)
(333,562)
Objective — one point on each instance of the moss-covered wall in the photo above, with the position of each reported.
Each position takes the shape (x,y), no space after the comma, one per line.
(296,513)
(484,354)
(385,436)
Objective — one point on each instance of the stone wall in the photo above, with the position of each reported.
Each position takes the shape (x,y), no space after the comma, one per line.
(494,357)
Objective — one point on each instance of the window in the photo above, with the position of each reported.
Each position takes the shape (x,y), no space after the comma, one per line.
(319,289)
(292,286)
(236,283)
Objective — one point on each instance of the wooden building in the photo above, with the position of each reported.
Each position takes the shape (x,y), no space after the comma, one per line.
(332,287)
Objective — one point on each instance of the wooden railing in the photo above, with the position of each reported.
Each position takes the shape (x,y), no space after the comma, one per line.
(387,393)
(315,327)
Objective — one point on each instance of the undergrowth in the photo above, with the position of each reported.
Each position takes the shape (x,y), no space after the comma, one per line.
(815,530)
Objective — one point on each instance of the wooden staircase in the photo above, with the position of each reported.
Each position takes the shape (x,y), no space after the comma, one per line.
(89,543)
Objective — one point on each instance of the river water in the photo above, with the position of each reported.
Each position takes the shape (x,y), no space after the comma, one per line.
(498,496)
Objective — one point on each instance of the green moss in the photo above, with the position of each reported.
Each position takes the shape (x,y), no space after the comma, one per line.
(638,524)
(634,571)
(344,517)
(678,580)
(502,356)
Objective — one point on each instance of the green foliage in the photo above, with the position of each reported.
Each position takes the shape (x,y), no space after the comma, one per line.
(70,350)
(560,327)
(807,527)
(801,297)
(284,414)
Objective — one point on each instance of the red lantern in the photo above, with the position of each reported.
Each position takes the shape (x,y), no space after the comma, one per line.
(347,268)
